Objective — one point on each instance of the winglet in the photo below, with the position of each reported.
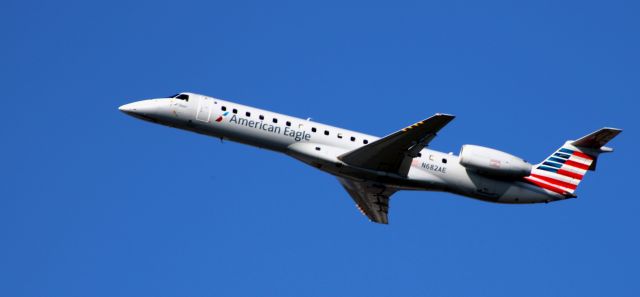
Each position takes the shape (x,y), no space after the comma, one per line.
(441,118)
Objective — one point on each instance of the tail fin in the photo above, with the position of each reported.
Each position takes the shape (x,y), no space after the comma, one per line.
(564,169)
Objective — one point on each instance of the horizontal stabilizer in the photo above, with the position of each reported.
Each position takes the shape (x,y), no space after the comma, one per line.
(597,139)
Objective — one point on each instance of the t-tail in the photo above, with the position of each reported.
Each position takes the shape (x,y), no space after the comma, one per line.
(562,172)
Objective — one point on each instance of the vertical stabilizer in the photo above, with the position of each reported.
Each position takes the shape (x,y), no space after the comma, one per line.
(563,171)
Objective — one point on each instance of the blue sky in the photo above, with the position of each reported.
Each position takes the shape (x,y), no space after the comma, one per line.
(95,203)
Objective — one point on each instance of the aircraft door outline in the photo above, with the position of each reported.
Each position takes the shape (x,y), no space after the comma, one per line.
(205,107)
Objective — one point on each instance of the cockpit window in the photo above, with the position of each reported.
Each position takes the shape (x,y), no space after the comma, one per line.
(182,97)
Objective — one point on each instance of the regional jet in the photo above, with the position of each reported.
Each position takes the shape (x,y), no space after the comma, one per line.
(372,169)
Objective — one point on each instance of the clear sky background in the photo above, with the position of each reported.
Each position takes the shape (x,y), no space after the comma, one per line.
(96,203)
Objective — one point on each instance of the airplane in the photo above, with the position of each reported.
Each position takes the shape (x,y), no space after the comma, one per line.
(372,169)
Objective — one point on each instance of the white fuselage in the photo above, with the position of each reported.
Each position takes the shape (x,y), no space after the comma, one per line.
(320,145)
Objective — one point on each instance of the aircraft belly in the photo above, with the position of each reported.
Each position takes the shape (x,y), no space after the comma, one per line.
(468,183)
(503,191)
(520,192)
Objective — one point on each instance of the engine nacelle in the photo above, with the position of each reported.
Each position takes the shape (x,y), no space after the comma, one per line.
(493,162)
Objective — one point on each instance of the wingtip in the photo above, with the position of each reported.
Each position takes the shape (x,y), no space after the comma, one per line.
(445,115)
(383,221)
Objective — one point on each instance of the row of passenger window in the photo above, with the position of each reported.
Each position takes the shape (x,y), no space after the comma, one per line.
(288,123)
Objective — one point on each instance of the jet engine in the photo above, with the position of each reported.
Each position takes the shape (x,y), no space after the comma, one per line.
(489,161)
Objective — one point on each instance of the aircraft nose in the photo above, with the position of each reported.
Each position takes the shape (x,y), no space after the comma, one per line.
(127,108)
(139,108)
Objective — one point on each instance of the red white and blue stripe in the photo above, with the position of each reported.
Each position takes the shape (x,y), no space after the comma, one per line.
(562,171)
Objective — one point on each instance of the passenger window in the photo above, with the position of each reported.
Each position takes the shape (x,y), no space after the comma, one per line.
(248,114)
(326,132)
(340,135)
(313,129)
(444,160)
(365,141)
(224,108)
(353,138)
(275,121)
(288,124)
(235,111)
(261,117)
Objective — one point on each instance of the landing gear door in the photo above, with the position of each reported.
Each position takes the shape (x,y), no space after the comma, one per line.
(204,109)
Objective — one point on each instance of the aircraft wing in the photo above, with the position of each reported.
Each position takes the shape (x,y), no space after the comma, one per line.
(372,199)
(394,152)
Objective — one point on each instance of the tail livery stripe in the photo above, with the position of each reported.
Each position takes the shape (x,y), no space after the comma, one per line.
(546,186)
(570,174)
(548,169)
(575,153)
(574,169)
(580,160)
(555,182)
(583,155)
(557,160)
(576,164)
(550,164)
(563,171)
(567,162)
(564,150)
(555,176)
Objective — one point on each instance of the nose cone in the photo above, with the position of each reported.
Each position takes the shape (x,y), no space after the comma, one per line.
(145,107)
(127,108)
(150,110)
